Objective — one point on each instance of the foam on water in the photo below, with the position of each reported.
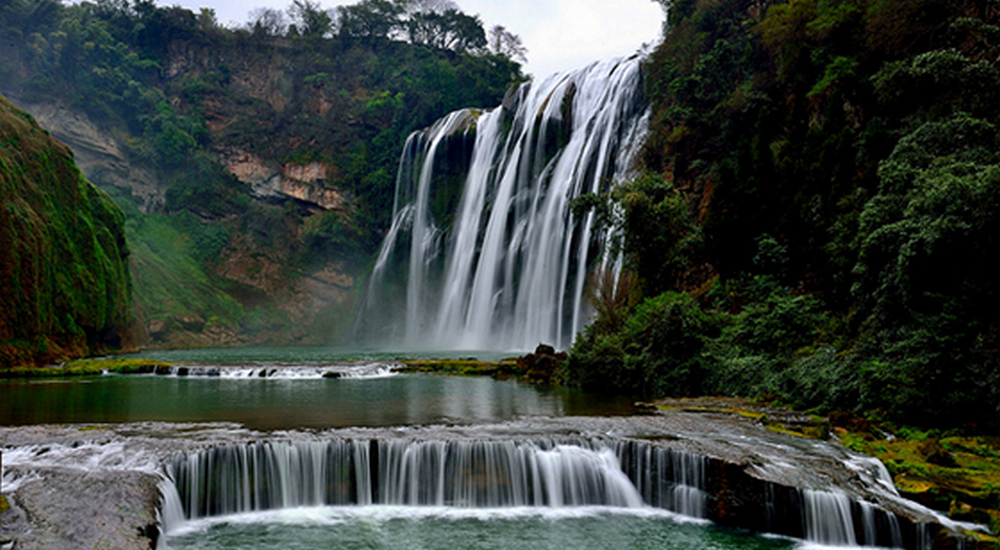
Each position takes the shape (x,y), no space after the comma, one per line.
(280,372)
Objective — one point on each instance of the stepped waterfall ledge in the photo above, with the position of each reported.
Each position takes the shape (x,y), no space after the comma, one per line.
(483,249)
(534,473)
(660,468)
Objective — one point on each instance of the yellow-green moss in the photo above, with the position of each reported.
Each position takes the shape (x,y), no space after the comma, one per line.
(86,367)
(4,506)
(965,483)
(461,367)
(65,289)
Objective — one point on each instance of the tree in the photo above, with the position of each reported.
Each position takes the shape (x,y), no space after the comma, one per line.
(448,30)
(267,22)
(371,20)
(309,19)
(429,6)
(505,43)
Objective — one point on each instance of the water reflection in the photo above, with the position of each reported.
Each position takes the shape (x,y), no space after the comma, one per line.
(269,404)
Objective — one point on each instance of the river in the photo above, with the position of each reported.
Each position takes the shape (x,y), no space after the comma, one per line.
(264,448)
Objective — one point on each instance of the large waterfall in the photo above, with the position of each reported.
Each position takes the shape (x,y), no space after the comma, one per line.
(483,251)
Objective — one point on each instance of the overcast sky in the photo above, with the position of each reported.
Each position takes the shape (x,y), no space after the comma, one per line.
(559,34)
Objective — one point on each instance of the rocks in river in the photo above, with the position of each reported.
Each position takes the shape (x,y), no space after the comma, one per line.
(333,374)
(70,509)
(541,366)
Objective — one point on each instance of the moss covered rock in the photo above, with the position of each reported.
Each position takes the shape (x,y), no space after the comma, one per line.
(64,281)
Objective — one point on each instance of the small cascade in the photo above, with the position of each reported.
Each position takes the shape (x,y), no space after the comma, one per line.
(828,518)
(666,478)
(266,476)
(462,473)
(880,528)
(469,474)
(834,519)
(483,251)
(500,474)
(279,372)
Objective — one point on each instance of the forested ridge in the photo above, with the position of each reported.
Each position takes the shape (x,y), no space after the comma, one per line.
(817,219)
(255,164)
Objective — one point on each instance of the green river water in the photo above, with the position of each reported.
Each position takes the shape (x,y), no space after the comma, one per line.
(383,401)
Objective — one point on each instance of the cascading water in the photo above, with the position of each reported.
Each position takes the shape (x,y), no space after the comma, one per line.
(471,474)
(828,518)
(505,267)
(550,473)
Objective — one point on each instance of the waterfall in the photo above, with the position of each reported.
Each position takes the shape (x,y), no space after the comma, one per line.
(483,251)
(665,478)
(470,474)
(836,520)
(828,518)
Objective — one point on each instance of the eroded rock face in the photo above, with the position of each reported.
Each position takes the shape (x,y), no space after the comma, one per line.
(98,154)
(263,76)
(69,509)
(306,183)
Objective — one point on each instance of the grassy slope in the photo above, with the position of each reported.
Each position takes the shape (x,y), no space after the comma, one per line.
(64,281)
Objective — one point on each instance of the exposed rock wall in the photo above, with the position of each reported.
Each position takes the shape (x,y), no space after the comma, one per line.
(98,154)
(270,180)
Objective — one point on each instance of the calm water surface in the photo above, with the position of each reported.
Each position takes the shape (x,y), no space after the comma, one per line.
(285,403)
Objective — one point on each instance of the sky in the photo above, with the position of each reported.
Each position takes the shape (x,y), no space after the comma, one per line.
(560,34)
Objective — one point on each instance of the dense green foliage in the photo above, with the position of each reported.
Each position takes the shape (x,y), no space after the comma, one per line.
(64,279)
(826,193)
(182,95)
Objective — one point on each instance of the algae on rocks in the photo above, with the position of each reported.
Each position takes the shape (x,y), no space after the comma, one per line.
(65,289)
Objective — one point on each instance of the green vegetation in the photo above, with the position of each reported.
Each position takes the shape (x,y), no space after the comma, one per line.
(87,367)
(461,367)
(331,94)
(64,279)
(818,213)
(960,474)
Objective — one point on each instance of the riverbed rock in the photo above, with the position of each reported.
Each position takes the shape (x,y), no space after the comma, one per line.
(540,367)
(71,509)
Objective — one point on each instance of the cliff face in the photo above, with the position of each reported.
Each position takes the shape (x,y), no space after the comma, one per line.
(255,168)
(64,279)
(98,154)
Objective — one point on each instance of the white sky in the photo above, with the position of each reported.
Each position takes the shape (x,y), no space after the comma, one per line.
(559,34)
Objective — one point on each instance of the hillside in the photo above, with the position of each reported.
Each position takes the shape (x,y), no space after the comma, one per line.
(818,214)
(255,165)
(64,280)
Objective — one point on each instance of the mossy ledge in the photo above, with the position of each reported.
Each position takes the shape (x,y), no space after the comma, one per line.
(955,473)
(65,290)
(87,367)
(461,367)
